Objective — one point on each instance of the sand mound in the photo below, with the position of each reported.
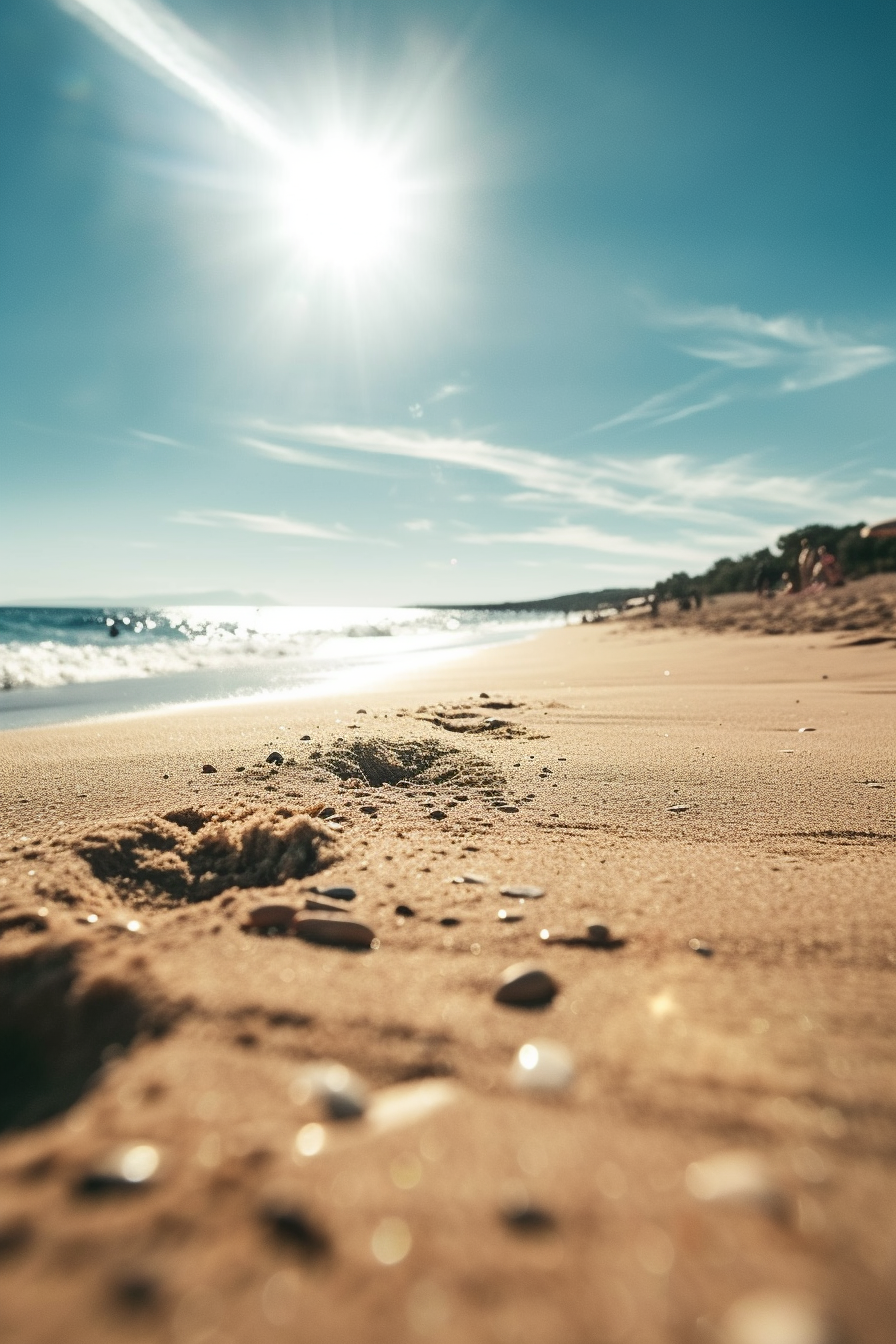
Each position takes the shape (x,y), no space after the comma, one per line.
(377,761)
(866,604)
(60,1026)
(193,855)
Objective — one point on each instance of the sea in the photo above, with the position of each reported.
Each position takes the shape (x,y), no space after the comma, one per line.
(65,664)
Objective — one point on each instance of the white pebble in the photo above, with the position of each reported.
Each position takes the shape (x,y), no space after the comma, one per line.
(775,1318)
(545,1066)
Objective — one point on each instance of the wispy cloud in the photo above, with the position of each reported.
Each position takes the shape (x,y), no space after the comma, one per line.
(805,354)
(671,485)
(580,536)
(449,390)
(270,524)
(299,457)
(151,35)
(419,525)
(761,356)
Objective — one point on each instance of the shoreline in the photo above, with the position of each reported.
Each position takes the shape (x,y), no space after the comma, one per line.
(657,780)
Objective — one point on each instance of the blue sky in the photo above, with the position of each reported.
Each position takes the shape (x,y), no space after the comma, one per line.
(413,301)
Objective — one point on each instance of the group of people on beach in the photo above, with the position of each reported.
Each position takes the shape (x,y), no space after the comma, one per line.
(816,570)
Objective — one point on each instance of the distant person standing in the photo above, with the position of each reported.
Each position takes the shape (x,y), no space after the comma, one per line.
(762,579)
(805,564)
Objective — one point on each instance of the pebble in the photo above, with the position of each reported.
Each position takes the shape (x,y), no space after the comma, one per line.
(209,770)
(509,918)
(525,984)
(805,730)
(270,917)
(737,1177)
(470,880)
(334,932)
(405,910)
(306,737)
(336,893)
(291,1224)
(437,814)
(543,1066)
(370,810)
(526,1217)
(449,921)
(599,933)
(506,807)
(125,1168)
(341,1092)
(702,949)
(327,812)
(275,758)
(409,1103)
(679,807)
(523,893)
(312,904)
(775,1318)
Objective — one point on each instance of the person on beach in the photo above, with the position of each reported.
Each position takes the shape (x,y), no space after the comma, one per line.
(787,588)
(827,571)
(762,580)
(805,564)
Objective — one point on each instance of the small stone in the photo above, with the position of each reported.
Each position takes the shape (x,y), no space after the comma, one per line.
(333,932)
(543,1066)
(327,812)
(336,893)
(405,910)
(306,737)
(449,921)
(270,917)
(341,1092)
(506,807)
(775,1318)
(275,758)
(291,1225)
(371,811)
(702,949)
(209,770)
(805,730)
(312,904)
(526,984)
(437,814)
(599,933)
(735,1177)
(526,1217)
(474,880)
(125,1168)
(679,807)
(523,893)
(506,917)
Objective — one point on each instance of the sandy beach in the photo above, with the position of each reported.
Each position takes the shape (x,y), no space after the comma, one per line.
(723,803)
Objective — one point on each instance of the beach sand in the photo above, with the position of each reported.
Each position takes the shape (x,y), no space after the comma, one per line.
(462,1207)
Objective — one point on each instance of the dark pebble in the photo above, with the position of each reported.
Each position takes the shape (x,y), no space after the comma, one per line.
(306,737)
(371,811)
(437,814)
(404,910)
(527,1218)
(337,893)
(275,758)
(599,933)
(327,812)
(291,1225)
(209,770)
(450,921)
(525,984)
(311,904)
(270,917)
(333,932)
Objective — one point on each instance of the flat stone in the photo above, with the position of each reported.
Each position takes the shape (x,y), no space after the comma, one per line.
(270,917)
(312,904)
(127,1167)
(523,893)
(737,1177)
(599,933)
(679,807)
(405,910)
(333,931)
(209,770)
(437,814)
(336,893)
(543,1066)
(275,758)
(341,1092)
(507,917)
(776,1318)
(449,921)
(526,984)
(526,1217)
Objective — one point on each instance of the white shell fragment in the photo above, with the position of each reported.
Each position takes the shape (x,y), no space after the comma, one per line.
(544,1066)
(341,1092)
(523,893)
(408,1103)
(131,1165)
(735,1177)
(775,1318)
(526,984)
(333,931)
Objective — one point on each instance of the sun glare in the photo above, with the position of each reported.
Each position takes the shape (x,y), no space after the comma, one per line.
(344,205)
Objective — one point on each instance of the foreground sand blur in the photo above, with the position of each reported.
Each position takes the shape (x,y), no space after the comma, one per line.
(501,1215)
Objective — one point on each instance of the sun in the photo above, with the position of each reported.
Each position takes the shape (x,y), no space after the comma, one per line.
(345,205)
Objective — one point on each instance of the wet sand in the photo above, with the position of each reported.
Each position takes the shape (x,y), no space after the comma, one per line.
(462,1208)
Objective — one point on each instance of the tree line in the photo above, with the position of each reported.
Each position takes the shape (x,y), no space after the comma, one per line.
(858,556)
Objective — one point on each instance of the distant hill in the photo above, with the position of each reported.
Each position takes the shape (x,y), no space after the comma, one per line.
(567,602)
